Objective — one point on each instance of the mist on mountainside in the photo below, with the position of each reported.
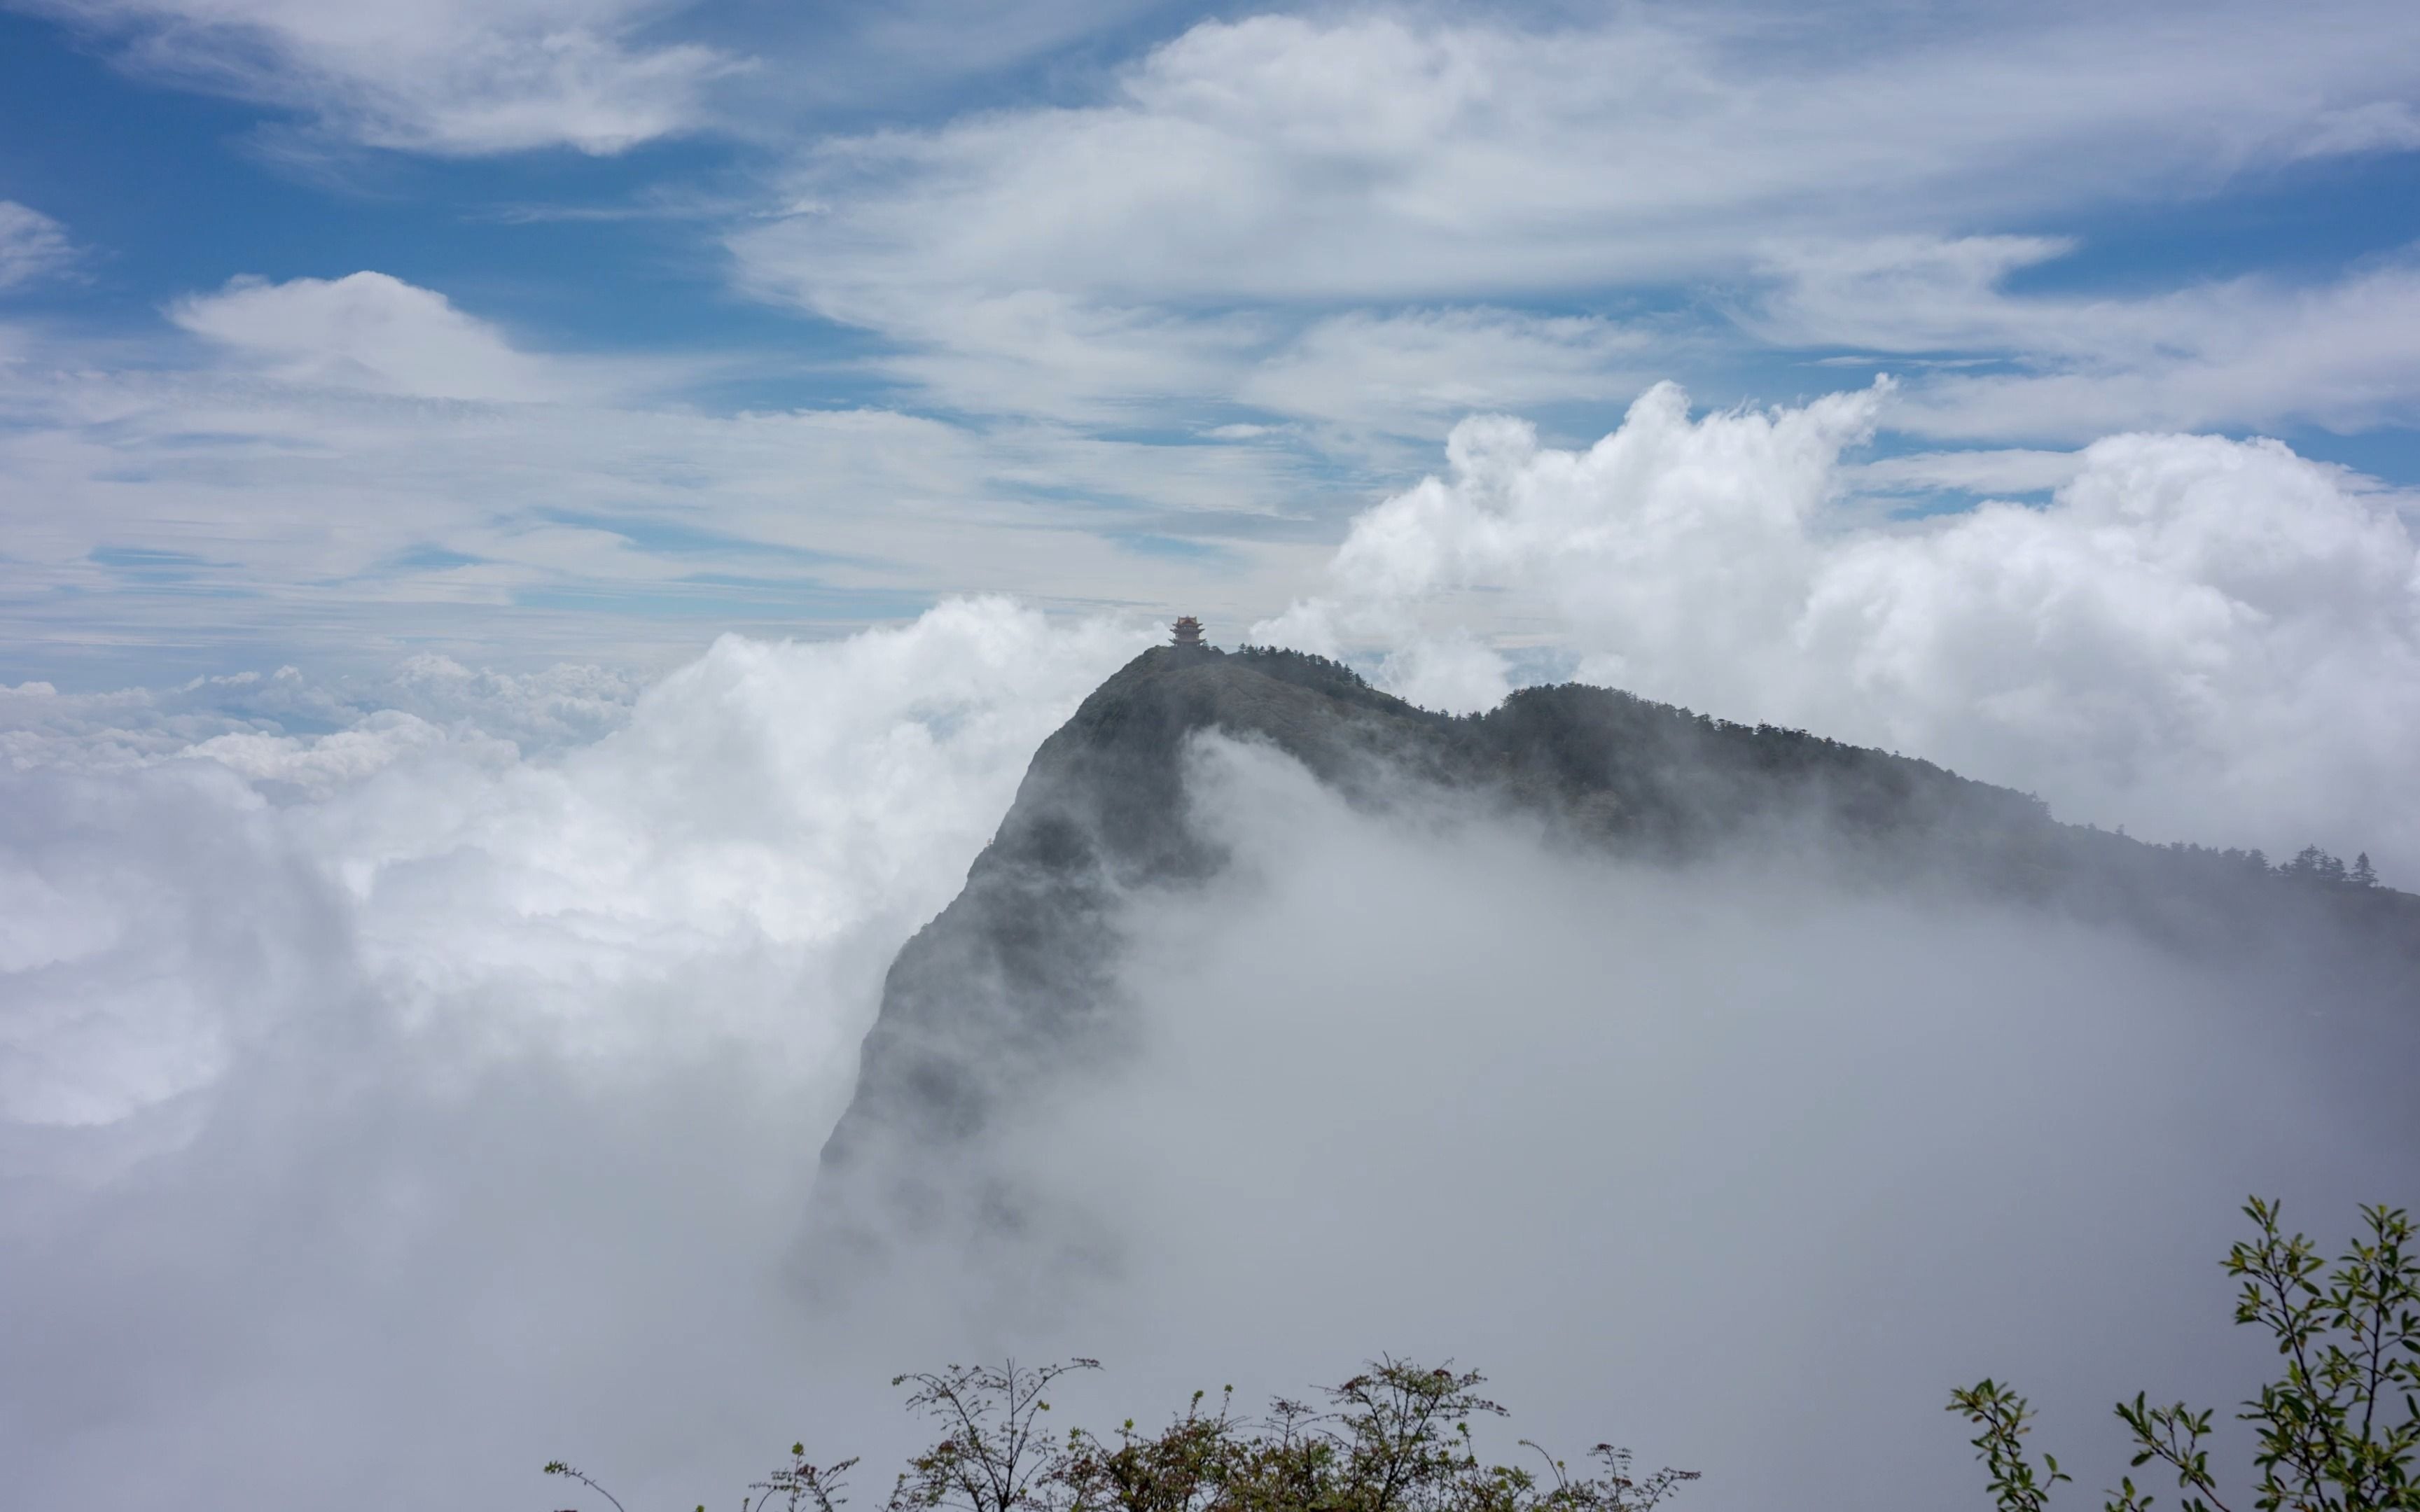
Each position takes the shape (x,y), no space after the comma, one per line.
(1732,1104)
(1736,1134)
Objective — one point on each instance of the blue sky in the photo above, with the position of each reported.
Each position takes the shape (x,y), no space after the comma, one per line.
(539,329)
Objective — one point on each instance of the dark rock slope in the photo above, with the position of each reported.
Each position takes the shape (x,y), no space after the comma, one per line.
(1010,984)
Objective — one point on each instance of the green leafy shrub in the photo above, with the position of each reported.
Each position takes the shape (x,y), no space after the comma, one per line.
(2339,1430)
(1396,1438)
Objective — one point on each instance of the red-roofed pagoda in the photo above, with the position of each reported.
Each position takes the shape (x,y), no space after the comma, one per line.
(1187,631)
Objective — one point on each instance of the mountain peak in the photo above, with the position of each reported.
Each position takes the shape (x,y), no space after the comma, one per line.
(1014,984)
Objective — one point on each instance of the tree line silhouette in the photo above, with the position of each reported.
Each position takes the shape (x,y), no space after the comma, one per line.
(1683,736)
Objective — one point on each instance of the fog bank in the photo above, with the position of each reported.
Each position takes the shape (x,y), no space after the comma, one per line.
(386,1110)
(1737,1164)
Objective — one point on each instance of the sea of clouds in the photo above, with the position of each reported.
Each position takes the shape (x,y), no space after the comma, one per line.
(406,1079)
(377,1105)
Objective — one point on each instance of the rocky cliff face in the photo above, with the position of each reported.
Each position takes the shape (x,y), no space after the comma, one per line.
(1013,986)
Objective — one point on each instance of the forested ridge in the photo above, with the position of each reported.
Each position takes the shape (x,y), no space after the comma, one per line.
(1013,984)
(1655,773)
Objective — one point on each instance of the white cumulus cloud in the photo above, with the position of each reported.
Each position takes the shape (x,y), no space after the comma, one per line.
(2204,639)
(746,830)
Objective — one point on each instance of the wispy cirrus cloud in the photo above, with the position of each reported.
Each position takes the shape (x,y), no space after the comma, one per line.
(31,246)
(372,332)
(2256,351)
(1380,157)
(1305,216)
(431,76)
(1143,331)
(334,469)
(1371,371)
(2252,353)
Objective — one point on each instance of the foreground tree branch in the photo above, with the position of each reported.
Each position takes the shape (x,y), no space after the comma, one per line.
(2338,1431)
